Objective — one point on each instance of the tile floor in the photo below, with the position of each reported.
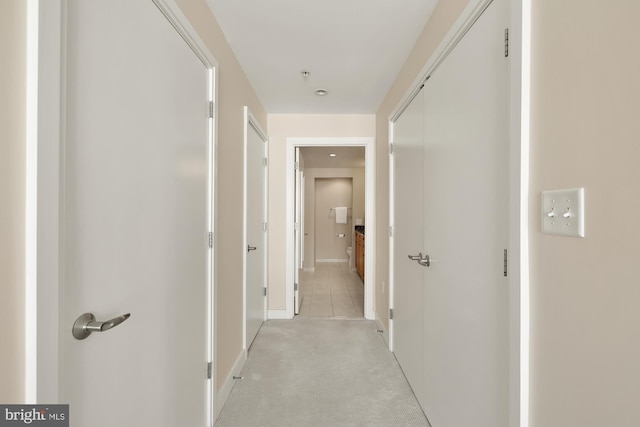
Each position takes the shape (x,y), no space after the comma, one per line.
(331,291)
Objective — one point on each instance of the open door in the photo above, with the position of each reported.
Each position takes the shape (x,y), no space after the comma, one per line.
(298,235)
(136,199)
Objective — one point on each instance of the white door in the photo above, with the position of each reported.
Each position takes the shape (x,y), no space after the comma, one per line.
(302,227)
(466,324)
(255,229)
(135,208)
(408,240)
(299,202)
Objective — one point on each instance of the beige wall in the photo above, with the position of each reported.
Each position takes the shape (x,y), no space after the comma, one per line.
(356,203)
(281,127)
(12,198)
(440,22)
(585,293)
(329,193)
(234,92)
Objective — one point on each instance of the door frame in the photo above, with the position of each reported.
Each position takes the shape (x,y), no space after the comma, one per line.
(369,217)
(46,84)
(519,83)
(251,121)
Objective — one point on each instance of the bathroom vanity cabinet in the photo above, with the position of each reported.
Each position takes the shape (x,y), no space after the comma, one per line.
(359,253)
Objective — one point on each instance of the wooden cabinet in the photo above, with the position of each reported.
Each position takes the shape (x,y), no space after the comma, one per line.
(359,254)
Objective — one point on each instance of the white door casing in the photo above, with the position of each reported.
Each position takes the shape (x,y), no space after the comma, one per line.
(299,203)
(255,227)
(135,185)
(370,196)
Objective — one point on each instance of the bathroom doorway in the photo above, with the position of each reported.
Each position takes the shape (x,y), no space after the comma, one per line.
(329,285)
(338,180)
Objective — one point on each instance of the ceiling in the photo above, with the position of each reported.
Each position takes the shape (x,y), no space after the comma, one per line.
(352,48)
(346,157)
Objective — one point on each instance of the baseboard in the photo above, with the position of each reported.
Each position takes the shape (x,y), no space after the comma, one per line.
(381,327)
(333,260)
(229,382)
(278,314)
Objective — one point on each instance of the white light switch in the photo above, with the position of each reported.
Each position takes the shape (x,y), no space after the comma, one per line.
(563,212)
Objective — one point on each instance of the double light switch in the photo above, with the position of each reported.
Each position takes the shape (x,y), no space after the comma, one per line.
(563,212)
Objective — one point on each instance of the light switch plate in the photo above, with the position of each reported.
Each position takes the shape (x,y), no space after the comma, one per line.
(563,212)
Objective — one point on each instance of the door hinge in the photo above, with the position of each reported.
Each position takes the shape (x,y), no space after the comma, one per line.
(295,286)
(209,370)
(265,227)
(391,147)
(210,239)
(391,314)
(265,162)
(390,231)
(296,165)
(211,109)
(506,42)
(506,258)
(265,291)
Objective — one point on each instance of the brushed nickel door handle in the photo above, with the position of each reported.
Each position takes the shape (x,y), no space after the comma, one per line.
(423,260)
(87,323)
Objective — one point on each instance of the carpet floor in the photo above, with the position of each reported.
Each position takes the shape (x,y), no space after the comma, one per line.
(316,372)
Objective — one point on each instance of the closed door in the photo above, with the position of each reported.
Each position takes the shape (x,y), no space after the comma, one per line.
(462,339)
(255,229)
(136,218)
(466,154)
(408,305)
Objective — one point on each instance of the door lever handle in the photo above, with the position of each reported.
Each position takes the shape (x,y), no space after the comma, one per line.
(87,323)
(423,260)
(251,248)
(416,257)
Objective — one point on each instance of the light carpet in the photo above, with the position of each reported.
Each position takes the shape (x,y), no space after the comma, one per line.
(314,372)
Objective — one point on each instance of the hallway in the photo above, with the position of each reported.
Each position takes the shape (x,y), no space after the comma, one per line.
(331,291)
(316,372)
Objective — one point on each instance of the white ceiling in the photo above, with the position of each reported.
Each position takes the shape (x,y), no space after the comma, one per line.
(352,48)
(346,157)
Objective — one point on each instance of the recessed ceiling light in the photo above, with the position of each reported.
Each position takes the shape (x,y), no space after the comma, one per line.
(332,154)
(321,92)
(305,73)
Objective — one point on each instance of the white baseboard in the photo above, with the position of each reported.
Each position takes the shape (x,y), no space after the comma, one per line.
(278,314)
(225,390)
(333,260)
(385,331)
